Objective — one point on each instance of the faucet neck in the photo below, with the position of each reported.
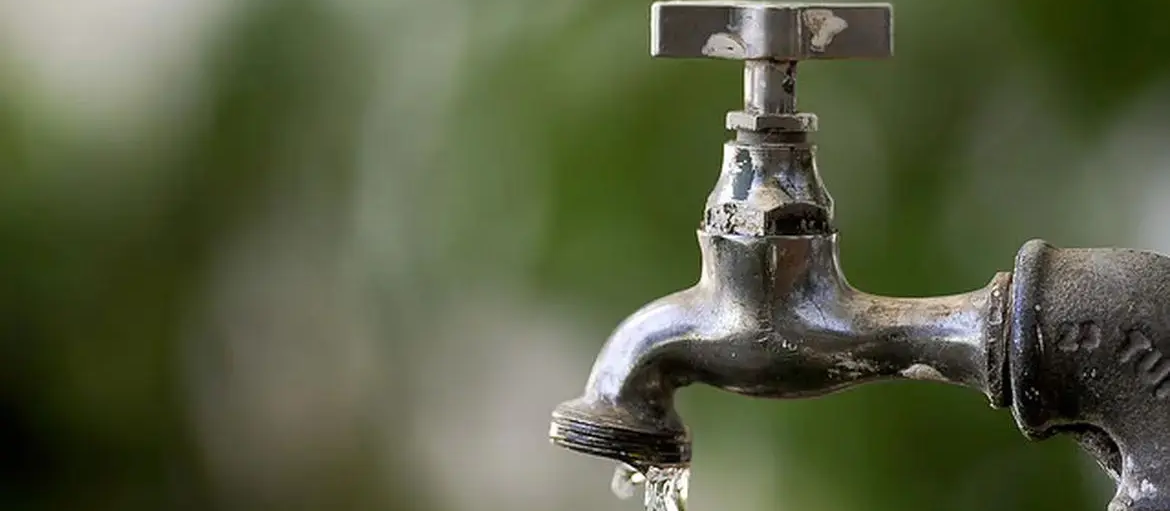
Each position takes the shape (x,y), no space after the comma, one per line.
(793,286)
(767,271)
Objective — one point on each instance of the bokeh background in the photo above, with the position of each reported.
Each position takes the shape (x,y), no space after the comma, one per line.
(348,254)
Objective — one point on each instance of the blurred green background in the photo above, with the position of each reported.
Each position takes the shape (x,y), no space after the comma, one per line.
(348,254)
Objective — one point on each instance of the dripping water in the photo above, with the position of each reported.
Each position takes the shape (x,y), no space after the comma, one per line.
(665,487)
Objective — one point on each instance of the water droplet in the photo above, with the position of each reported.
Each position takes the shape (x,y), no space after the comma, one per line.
(666,487)
(626,480)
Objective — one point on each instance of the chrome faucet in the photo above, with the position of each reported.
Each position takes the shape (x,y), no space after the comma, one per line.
(1072,340)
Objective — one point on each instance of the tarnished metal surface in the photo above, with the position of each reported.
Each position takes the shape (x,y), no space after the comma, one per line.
(769,189)
(770,31)
(1075,341)
(1090,340)
(773,316)
(749,121)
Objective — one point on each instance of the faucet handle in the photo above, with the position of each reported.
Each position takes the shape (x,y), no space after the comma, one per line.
(770,38)
(744,30)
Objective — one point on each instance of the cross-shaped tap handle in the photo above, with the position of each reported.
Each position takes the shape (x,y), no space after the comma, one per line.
(742,30)
(771,38)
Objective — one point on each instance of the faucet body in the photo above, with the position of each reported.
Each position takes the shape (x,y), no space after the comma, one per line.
(1074,341)
(773,317)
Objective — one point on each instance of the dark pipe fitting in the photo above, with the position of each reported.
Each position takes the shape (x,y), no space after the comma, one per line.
(773,317)
(1090,336)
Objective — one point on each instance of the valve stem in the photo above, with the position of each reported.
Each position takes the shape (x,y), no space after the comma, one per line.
(769,87)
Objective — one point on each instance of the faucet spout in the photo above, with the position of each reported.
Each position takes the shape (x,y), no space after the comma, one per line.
(773,317)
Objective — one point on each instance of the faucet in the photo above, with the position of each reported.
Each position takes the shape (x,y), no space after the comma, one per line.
(1072,341)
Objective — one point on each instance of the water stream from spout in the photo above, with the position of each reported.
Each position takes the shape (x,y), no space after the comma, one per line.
(665,486)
